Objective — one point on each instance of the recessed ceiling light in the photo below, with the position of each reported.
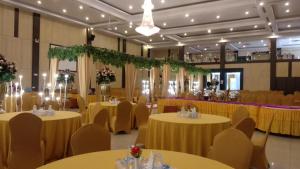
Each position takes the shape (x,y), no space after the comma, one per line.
(289,25)
(265,44)
(218,16)
(217,44)
(231,29)
(163,38)
(261,3)
(270,23)
(205,49)
(262,41)
(255,26)
(240,42)
(87,18)
(244,46)
(102,15)
(247,13)
(39,2)
(287,11)
(92,28)
(209,31)
(80,7)
(185,34)
(130,7)
(161,35)
(125,31)
(116,28)
(64,10)
(165,23)
(162,1)
(150,40)
(193,20)
(187,15)
(287,3)
(130,26)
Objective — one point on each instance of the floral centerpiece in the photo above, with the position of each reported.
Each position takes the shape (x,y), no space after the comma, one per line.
(105,76)
(7,74)
(213,84)
(61,77)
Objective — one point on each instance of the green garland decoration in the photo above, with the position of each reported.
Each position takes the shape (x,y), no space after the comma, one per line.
(118,59)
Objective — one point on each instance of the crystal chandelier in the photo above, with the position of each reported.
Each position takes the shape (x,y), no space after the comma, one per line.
(147,27)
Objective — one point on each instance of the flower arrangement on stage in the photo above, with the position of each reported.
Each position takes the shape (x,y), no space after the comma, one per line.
(213,84)
(105,76)
(62,74)
(7,70)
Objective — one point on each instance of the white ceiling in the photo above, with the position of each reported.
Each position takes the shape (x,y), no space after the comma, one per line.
(172,12)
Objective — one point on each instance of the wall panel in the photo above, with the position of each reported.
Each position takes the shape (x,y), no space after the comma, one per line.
(282,69)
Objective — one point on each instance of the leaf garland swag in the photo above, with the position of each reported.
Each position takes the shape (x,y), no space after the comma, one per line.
(118,59)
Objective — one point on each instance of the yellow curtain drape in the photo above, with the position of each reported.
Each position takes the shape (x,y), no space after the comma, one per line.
(83,75)
(130,74)
(181,79)
(200,81)
(177,84)
(165,80)
(92,71)
(154,81)
(53,72)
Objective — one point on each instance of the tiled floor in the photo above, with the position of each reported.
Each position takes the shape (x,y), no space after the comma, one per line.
(282,152)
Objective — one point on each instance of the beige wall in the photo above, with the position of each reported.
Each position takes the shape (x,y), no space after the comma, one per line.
(296,69)
(256,75)
(18,49)
(282,69)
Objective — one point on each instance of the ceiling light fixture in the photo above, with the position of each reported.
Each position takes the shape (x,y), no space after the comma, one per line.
(64,10)
(147,26)
(270,23)
(261,3)
(162,1)
(163,38)
(287,11)
(125,31)
(287,3)
(187,15)
(231,29)
(102,15)
(150,40)
(116,28)
(223,40)
(165,24)
(80,7)
(265,44)
(87,18)
(192,20)
(247,13)
(274,36)
(255,26)
(180,44)
(39,2)
(209,31)
(240,42)
(218,16)
(205,49)
(217,44)
(185,34)
(130,7)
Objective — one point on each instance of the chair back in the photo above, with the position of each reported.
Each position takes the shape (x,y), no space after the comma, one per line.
(25,144)
(90,138)
(101,118)
(232,147)
(54,105)
(123,112)
(28,101)
(247,126)
(239,114)
(81,104)
(142,99)
(141,113)
(269,126)
(171,109)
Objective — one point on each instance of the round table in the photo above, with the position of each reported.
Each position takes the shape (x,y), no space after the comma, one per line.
(56,133)
(194,136)
(107,160)
(95,107)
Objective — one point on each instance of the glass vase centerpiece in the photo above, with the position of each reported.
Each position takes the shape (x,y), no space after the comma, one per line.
(61,78)
(7,74)
(104,78)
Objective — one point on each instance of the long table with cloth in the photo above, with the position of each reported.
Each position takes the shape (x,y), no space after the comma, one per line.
(95,107)
(107,160)
(286,118)
(56,133)
(196,135)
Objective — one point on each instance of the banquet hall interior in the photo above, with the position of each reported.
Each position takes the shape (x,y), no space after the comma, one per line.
(149,84)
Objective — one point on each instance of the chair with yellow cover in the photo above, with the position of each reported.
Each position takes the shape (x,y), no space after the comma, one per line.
(122,120)
(28,101)
(54,105)
(239,114)
(101,118)
(232,147)
(141,113)
(259,158)
(140,140)
(1,162)
(26,149)
(81,104)
(247,126)
(90,138)
(142,99)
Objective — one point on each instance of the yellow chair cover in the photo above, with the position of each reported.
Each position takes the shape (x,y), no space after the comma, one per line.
(122,120)
(247,126)
(141,113)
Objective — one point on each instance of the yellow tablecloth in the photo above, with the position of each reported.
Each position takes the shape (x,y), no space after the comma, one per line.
(194,136)
(94,108)
(56,133)
(286,121)
(107,160)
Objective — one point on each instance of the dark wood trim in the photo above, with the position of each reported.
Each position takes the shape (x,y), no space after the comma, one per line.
(35,51)
(119,44)
(149,53)
(123,68)
(273,57)
(226,70)
(16,23)
(181,53)
(288,60)
(206,63)
(169,53)
(142,50)
(290,69)
(88,35)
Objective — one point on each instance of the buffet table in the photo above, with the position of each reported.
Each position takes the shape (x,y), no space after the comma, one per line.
(286,118)
(195,135)
(56,133)
(107,160)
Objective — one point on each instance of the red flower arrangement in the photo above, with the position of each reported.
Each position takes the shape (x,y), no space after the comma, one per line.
(136,151)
